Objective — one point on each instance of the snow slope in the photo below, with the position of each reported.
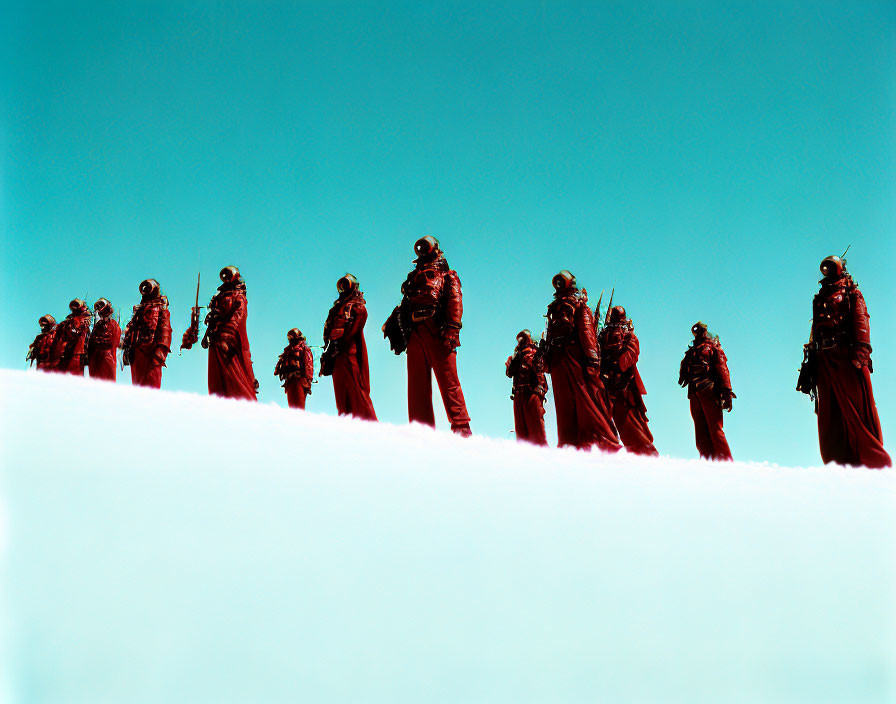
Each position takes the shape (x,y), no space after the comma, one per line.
(168,547)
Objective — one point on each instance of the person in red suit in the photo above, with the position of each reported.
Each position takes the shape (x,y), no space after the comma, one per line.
(229,359)
(427,324)
(848,425)
(70,341)
(573,361)
(619,350)
(39,351)
(526,367)
(147,337)
(704,371)
(102,345)
(345,356)
(295,368)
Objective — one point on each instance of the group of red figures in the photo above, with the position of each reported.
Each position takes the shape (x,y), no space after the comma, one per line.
(598,392)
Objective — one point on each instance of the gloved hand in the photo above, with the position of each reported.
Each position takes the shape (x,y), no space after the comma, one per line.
(540,391)
(160,355)
(726,397)
(451,337)
(861,356)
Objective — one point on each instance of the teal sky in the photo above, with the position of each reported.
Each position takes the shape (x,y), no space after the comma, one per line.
(702,157)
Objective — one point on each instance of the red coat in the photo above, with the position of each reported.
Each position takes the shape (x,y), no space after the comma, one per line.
(704,370)
(296,363)
(619,352)
(147,341)
(583,414)
(40,351)
(344,333)
(526,368)
(70,343)
(102,349)
(849,429)
(229,359)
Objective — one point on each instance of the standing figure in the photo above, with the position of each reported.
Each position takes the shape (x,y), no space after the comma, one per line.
(102,345)
(40,350)
(70,340)
(573,361)
(296,369)
(229,359)
(704,371)
(526,367)
(147,337)
(619,351)
(345,356)
(838,365)
(427,324)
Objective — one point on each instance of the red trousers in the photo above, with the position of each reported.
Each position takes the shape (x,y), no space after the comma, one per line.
(295,393)
(528,418)
(103,365)
(230,374)
(351,398)
(848,426)
(146,370)
(631,422)
(427,356)
(583,418)
(71,366)
(707,415)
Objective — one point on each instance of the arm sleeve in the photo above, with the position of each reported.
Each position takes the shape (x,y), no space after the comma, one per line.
(357,321)
(230,329)
(585,326)
(163,329)
(683,371)
(629,356)
(309,363)
(861,329)
(720,366)
(453,300)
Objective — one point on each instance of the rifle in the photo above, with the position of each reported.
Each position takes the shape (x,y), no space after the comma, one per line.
(609,308)
(807,381)
(191,336)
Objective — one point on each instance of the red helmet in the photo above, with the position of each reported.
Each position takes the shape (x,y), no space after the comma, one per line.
(617,314)
(150,288)
(832,267)
(347,283)
(103,308)
(46,321)
(564,281)
(77,305)
(295,335)
(229,273)
(426,246)
(699,329)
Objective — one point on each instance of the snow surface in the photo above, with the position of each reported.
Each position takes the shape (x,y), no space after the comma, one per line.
(169,547)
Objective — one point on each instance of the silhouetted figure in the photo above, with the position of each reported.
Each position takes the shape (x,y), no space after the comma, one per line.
(70,341)
(102,344)
(40,351)
(147,337)
(526,367)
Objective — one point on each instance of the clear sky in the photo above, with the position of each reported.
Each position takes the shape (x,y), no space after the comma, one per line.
(702,157)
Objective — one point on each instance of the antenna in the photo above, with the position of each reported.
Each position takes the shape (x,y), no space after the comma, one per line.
(846,250)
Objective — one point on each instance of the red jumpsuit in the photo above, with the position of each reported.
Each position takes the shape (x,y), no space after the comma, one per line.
(583,413)
(40,351)
(704,370)
(619,351)
(229,359)
(344,335)
(296,370)
(530,386)
(147,341)
(430,319)
(70,342)
(848,425)
(102,349)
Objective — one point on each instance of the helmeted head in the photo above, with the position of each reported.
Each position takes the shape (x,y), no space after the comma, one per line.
(46,322)
(564,281)
(103,308)
(77,305)
(427,248)
(524,338)
(229,274)
(700,330)
(347,284)
(832,267)
(295,335)
(150,288)
(617,314)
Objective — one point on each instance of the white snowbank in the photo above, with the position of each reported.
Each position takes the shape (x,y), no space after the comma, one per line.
(168,547)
